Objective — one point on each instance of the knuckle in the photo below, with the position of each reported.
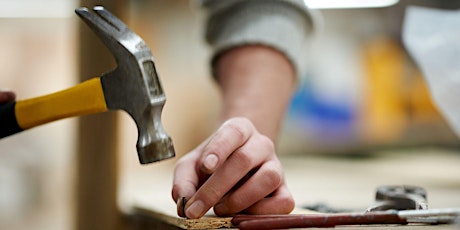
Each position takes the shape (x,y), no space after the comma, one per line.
(244,159)
(236,203)
(286,204)
(210,194)
(289,204)
(240,125)
(273,178)
(240,120)
(181,161)
(238,130)
(267,143)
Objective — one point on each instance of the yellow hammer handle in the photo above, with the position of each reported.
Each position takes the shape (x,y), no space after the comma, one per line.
(82,99)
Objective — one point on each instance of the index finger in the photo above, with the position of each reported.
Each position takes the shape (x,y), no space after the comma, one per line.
(229,137)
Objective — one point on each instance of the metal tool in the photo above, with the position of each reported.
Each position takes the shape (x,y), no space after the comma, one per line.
(434,216)
(133,86)
(399,197)
(181,206)
(394,205)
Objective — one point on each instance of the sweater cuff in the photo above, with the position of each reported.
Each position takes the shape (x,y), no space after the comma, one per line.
(282,25)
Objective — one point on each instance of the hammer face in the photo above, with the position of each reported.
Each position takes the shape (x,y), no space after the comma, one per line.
(156,151)
(153,143)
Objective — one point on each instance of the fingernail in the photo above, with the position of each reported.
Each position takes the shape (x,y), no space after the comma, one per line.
(210,162)
(195,210)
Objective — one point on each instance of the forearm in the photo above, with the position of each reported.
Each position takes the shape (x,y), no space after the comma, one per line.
(257,83)
(258,51)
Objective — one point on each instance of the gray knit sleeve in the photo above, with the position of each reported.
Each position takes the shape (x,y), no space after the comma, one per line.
(284,25)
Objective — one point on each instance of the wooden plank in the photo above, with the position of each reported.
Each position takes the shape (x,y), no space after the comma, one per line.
(210,221)
(213,222)
(339,182)
(207,222)
(149,205)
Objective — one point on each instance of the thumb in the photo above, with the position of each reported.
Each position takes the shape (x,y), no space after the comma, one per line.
(185,183)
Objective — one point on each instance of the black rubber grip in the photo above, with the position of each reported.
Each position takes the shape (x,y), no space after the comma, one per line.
(8,123)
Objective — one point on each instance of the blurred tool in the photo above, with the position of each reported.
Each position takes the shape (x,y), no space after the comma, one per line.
(433,216)
(325,208)
(134,86)
(394,205)
(404,197)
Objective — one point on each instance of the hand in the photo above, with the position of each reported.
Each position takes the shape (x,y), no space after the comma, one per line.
(6,96)
(235,170)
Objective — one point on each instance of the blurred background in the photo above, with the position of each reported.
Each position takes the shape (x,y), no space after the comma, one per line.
(362,94)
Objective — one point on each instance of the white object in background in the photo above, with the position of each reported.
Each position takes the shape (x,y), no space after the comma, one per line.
(432,37)
(336,4)
(37,8)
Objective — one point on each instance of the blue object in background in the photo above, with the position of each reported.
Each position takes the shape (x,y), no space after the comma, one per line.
(320,118)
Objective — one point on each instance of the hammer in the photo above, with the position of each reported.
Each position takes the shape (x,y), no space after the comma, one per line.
(133,86)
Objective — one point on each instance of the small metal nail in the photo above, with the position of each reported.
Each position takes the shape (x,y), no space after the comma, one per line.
(184,202)
(181,206)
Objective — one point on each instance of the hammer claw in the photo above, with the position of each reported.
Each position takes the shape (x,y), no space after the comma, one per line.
(111,30)
(111,19)
(100,26)
(115,34)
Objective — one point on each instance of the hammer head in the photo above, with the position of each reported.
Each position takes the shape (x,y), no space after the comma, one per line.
(134,85)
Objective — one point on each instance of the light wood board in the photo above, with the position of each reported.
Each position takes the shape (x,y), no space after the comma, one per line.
(337,182)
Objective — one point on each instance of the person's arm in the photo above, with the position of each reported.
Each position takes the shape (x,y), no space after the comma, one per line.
(257,45)
(256,83)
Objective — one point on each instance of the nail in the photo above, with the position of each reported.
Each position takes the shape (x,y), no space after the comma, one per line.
(210,162)
(195,210)
(184,202)
(181,206)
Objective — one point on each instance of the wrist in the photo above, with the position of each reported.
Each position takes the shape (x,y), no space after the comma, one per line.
(257,83)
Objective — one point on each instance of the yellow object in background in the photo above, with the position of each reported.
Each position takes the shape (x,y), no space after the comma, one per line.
(397,99)
(422,107)
(384,110)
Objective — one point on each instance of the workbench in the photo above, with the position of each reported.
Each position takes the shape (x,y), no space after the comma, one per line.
(341,182)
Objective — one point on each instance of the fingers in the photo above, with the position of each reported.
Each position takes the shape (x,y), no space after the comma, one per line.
(280,202)
(6,96)
(264,182)
(249,156)
(230,136)
(236,169)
